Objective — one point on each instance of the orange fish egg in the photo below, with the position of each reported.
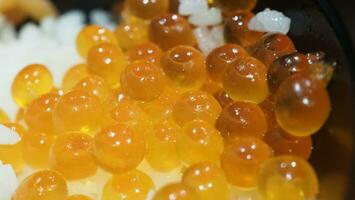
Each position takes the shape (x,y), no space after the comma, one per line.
(71,155)
(108,61)
(119,148)
(92,35)
(131,185)
(30,83)
(42,185)
(73,76)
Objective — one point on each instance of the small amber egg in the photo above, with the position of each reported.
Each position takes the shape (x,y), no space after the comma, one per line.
(221,58)
(38,114)
(147,9)
(92,35)
(302,105)
(131,185)
(94,85)
(143,81)
(284,67)
(208,181)
(20,116)
(108,61)
(246,80)
(42,185)
(116,96)
(170,30)
(78,111)
(185,67)
(147,51)
(284,144)
(175,191)
(119,148)
(196,105)
(73,76)
(242,159)
(4,118)
(12,153)
(30,83)
(161,143)
(130,114)
(71,156)
(287,177)
(242,119)
(36,147)
(131,33)
(199,141)
(161,108)
(78,197)
(236,28)
(228,6)
(271,47)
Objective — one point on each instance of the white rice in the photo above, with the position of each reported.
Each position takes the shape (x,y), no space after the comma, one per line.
(210,17)
(208,39)
(188,7)
(8,136)
(8,181)
(271,21)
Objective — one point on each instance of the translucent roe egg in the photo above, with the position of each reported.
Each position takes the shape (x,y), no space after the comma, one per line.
(78,111)
(71,156)
(241,119)
(175,191)
(94,85)
(246,80)
(170,30)
(284,67)
(287,177)
(242,159)
(38,114)
(147,51)
(73,76)
(161,143)
(302,105)
(147,9)
(130,114)
(208,181)
(161,108)
(119,148)
(131,185)
(196,105)
(221,58)
(4,118)
(116,97)
(284,144)
(143,81)
(108,61)
(35,148)
(42,185)
(199,141)
(271,47)
(185,67)
(132,32)
(227,5)
(30,83)
(78,197)
(92,35)
(12,153)
(236,28)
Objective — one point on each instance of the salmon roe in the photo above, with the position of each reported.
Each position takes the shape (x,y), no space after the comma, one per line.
(92,35)
(30,83)
(148,114)
(46,185)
